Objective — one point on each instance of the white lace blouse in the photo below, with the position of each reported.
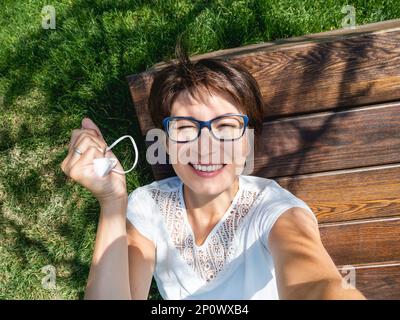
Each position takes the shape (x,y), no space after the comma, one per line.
(234,262)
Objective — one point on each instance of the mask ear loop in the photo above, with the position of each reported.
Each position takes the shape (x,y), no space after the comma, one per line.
(136,153)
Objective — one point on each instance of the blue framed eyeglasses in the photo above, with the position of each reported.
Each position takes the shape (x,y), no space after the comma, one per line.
(227,127)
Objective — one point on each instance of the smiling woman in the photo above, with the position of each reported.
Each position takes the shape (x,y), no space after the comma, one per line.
(210,224)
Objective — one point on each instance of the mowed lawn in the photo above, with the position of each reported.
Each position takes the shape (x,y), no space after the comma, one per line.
(51,79)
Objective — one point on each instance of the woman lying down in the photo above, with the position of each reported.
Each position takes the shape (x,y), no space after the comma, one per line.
(211,231)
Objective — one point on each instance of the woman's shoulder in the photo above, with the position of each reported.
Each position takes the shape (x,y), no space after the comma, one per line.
(256,183)
(271,192)
(276,199)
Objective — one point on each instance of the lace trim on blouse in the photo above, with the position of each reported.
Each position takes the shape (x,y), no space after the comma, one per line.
(210,258)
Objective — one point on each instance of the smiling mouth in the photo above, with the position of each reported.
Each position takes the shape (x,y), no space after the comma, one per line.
(207,168)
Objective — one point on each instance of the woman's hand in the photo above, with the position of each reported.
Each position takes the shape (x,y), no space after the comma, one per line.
(90,142)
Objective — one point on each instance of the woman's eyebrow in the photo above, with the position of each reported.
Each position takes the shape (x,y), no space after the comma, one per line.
(224,114)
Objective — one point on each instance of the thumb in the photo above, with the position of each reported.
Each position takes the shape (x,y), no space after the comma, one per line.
(87,123)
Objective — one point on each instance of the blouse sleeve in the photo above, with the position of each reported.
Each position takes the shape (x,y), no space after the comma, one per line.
(140,213)
(276,203)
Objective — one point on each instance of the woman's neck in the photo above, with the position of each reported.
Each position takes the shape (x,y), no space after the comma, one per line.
(206,209)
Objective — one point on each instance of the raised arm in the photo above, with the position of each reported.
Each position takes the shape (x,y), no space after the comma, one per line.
(303,267)
(109,276)
(109,272)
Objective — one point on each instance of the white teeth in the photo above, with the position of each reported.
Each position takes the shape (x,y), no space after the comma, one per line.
(208,168)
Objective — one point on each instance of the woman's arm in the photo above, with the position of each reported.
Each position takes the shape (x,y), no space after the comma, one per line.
(109,272)
(141,262)
(303,267)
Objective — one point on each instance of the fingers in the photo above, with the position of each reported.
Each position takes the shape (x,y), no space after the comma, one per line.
(83,143)
(87,123)
(78,170)
(76,133)
(88,135)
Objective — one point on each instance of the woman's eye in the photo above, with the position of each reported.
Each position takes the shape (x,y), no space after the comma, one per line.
(226,126)
(186,127)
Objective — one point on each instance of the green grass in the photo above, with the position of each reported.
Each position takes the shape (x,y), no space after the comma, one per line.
(50,79)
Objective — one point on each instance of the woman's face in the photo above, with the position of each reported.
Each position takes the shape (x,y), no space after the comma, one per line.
(206,149)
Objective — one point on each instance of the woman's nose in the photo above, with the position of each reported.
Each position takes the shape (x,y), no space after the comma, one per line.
(206,136)
(208,146)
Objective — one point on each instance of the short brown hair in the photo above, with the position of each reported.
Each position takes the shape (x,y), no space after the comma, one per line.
(214,74)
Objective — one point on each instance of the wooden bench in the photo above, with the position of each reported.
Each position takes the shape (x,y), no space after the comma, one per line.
(331,136)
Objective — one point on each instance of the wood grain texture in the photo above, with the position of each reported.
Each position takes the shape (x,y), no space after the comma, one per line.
(364,241)
(329,141)
(377,281)
(344,195)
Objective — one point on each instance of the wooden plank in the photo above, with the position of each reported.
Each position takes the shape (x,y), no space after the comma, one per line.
(361,137)
(324,73)
(330,141)
(349,194)
(139,85)
(279,44)
(363,241)
(377,281)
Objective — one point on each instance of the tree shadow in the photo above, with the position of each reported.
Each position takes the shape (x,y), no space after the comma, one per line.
(313,64)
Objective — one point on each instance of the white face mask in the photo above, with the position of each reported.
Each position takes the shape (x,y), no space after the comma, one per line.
(103,166)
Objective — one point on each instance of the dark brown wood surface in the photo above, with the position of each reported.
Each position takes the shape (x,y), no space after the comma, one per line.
(331,137)
(364,241)
(377,281)
(352,194)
